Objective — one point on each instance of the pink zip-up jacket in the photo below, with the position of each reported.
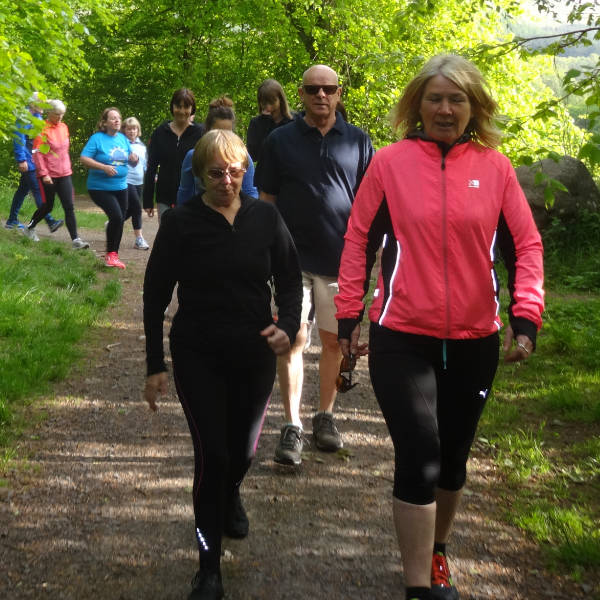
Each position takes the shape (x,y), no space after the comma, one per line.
(439,215)
(56,162)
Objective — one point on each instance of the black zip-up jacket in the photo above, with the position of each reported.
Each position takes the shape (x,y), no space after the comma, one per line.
(223,273)
(165,154)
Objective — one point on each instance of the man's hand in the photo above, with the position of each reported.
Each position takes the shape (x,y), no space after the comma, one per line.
(23,166)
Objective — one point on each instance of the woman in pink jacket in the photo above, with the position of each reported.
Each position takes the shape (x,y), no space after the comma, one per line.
(53,166)
(439,201)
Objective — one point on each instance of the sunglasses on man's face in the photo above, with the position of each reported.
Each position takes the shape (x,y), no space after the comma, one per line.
(314,89)
(343,382)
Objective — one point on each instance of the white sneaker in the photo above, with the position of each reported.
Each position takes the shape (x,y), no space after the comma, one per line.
(31,234)
(79,244)
(141,244)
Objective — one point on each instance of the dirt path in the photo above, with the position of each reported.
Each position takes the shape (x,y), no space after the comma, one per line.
(99,503)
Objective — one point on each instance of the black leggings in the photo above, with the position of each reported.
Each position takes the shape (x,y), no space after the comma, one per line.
(64,188)
(431,393)
(224,401)
(114,204)
(134,205)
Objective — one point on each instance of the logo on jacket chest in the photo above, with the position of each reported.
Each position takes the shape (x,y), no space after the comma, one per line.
(473,183)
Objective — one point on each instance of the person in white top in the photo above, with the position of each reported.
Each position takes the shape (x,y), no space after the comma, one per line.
(135,178)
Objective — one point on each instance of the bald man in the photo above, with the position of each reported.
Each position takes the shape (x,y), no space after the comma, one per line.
(311,169)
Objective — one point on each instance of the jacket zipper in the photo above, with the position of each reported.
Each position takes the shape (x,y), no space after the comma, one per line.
(445,243)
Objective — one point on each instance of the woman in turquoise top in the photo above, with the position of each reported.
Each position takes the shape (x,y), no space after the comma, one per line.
(106,155)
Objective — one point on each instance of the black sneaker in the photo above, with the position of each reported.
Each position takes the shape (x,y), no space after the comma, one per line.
(55,225)
(236,520)
(325,433)
(206,585)
(289,449)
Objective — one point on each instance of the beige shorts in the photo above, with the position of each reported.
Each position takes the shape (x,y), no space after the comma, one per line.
(320,291)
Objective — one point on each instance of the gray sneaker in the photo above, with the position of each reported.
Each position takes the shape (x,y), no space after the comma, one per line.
(31,234)
(289,449)
(325,433)
(79,244)
(141,244)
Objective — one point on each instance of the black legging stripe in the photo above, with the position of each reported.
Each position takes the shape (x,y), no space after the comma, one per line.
(431,393)
(224,404)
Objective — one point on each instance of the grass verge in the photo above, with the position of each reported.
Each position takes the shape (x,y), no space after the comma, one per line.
(49,295)
(542,424)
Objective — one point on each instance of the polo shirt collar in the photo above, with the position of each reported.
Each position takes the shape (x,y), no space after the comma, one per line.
(339,125)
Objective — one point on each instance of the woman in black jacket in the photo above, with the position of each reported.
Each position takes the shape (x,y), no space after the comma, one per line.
(168,145)
(221,248)
(274,112)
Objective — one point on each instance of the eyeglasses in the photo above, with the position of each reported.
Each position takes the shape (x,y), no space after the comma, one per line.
(218,174)
(314,89)
(343,382)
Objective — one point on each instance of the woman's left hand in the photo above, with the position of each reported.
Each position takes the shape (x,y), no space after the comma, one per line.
(522,350)
(156,385)
(277,339)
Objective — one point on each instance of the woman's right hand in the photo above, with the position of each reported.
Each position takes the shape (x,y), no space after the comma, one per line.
(156,385)
(352,346)
(109,170)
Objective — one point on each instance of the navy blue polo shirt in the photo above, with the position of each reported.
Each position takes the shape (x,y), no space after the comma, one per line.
(315,178)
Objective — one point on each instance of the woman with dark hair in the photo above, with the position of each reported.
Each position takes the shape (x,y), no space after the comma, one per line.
(274,112)
(438,201)
(106,155)
(223,339)
(220,116)
(168,145)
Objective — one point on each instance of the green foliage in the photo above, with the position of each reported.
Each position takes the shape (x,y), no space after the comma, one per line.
(40,50)
(581,30)
(217,47)
(571,252)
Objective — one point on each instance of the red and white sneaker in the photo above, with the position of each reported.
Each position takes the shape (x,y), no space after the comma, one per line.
(442,586)
(112,260)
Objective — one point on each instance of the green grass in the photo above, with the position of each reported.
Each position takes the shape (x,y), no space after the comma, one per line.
(49,295)
(542,423)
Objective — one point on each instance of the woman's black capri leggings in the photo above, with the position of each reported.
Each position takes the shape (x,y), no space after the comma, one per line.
(114,204)
(431,393)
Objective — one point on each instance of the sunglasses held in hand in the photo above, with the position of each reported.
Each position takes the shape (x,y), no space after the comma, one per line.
(343,382)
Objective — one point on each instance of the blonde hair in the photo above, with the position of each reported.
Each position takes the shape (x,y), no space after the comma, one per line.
(406,117)
(132,122)
(223,142)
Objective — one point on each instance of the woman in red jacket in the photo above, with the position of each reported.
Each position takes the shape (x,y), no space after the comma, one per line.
(439,200)
(53,166)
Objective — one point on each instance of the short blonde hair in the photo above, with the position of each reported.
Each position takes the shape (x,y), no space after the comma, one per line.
(222,142)
(406,117)
(132,121)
